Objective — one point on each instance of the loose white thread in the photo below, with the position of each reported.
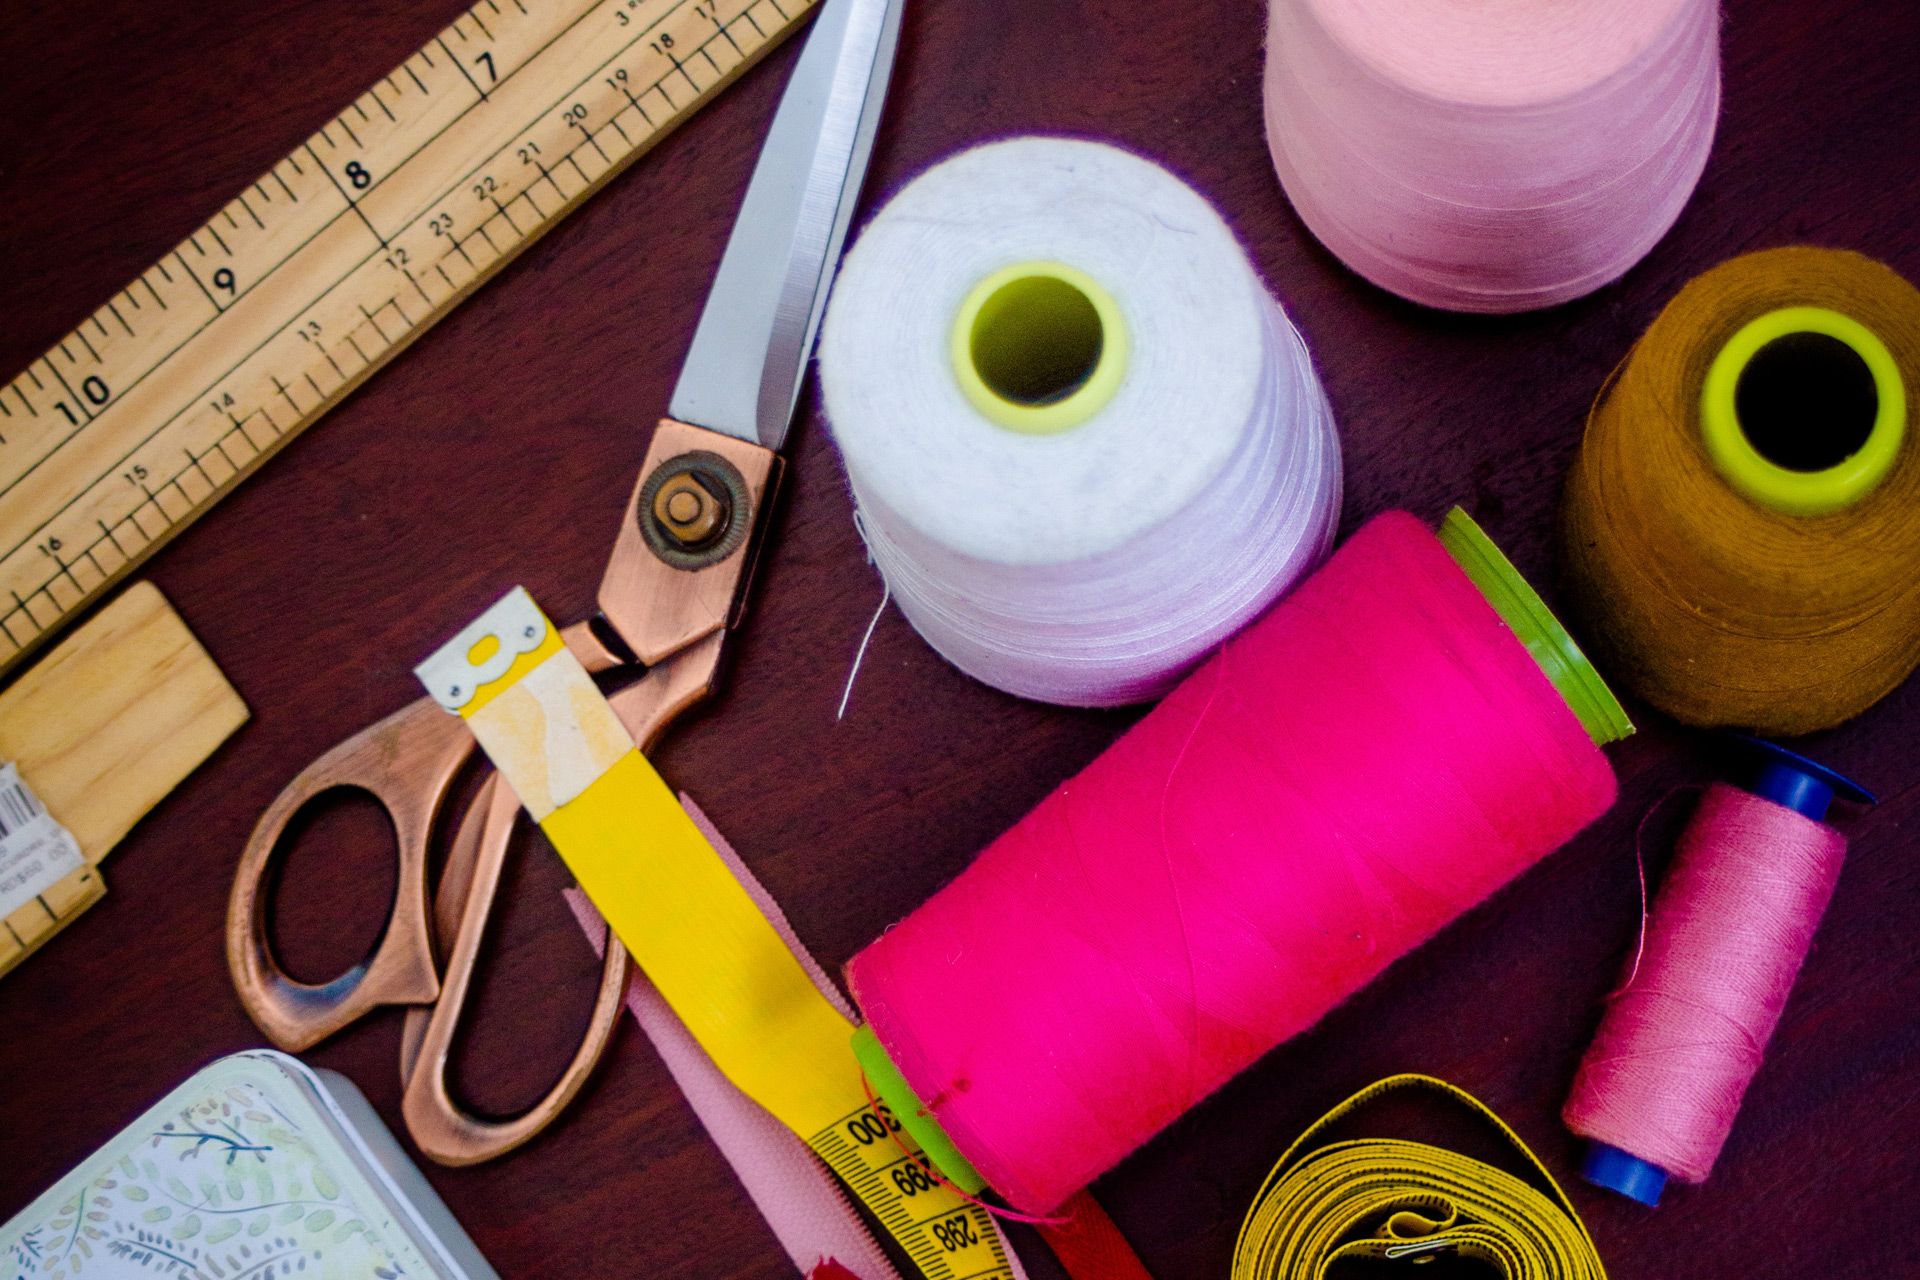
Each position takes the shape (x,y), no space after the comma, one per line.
(1096,566)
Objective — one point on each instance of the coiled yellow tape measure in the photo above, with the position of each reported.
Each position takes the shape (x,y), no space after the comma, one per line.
(1385,1198)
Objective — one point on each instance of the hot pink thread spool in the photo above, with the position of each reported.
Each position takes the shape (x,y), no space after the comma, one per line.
(1491,157)
(1662,1082)
(1390,744)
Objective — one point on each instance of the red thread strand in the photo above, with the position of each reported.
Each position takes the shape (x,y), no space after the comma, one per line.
(1373,757)
(932,1170)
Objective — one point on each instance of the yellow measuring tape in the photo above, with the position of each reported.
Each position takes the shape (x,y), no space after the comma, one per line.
(691,925)
(1386,1198)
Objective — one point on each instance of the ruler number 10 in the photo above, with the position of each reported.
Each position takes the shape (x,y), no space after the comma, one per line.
(96,392)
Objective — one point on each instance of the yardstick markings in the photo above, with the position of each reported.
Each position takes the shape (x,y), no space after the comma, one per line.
(947,1238)
(316,275)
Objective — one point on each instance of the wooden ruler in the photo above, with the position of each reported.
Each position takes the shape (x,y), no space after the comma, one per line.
(324,269)
(102,729)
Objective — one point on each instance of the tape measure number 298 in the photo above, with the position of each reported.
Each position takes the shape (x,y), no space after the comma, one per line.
(329,265)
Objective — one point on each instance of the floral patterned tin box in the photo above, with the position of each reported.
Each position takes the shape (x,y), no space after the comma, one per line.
(255,1167)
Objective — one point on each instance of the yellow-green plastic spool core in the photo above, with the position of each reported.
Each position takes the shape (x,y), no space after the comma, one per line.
(1802,493)
(893,1089)
(1039,347)
(1522,609)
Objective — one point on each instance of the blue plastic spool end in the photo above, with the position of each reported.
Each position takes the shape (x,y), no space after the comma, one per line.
(1616,1170)
(1792,780)
(1787,779)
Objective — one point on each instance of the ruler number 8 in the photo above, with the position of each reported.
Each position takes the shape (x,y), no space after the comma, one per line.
(357,174)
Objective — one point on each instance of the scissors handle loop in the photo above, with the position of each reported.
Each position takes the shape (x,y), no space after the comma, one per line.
(407,762)
(444,1132)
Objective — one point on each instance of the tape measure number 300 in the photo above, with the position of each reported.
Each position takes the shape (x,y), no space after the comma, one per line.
(329,265)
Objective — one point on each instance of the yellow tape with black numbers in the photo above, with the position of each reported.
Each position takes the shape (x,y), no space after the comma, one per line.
(1385,1198)
(691,925)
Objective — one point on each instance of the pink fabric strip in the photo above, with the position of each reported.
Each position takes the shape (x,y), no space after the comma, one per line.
(796,1193)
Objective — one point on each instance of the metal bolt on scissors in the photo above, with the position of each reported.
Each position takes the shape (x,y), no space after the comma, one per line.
(674,587)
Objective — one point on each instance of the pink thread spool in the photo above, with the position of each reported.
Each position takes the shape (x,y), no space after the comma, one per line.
(1391,743)
(1491,157)
(1660,1087)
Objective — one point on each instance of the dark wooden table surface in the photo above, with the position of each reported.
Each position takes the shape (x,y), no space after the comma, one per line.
(500,449)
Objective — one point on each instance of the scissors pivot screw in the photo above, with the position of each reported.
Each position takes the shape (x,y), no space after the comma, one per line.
(687,508)
(688,513)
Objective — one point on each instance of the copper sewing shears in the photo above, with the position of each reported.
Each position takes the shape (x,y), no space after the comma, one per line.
(675,585)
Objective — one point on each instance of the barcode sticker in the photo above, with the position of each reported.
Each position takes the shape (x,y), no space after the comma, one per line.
(36,852)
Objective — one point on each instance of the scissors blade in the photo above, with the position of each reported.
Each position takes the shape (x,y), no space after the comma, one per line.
(742,374)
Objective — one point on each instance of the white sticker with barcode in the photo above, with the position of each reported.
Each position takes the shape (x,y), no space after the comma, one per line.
(36,852)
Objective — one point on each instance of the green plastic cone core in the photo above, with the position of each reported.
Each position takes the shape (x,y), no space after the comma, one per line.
(1518,605)
(899,1097)
(1522,609)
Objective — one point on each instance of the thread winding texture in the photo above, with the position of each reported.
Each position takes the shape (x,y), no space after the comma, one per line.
(1679,1045)
(1491,157)
(1096,565)
(1712,607)
(1369,760)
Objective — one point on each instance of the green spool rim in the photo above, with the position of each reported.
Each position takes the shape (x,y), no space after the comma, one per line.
(1522,609)
(1802,493)
(913,1116)
(1072,410)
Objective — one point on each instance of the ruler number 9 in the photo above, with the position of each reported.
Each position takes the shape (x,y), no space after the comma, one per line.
(955,1233)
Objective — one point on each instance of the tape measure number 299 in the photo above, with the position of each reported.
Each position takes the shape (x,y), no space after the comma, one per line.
(329,265)
(947,1238)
